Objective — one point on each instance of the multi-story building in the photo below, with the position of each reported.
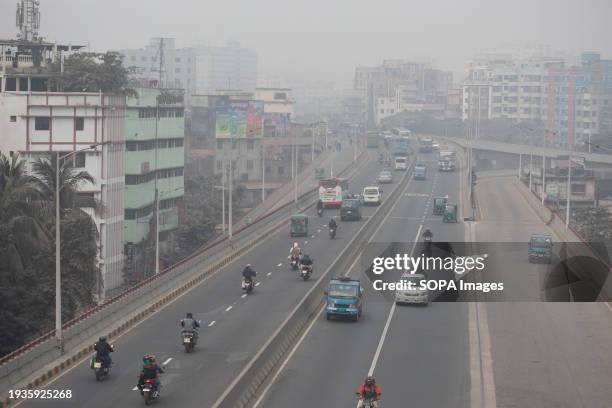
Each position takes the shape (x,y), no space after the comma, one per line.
(198,70)
(229,67)
(154,163)
(36,122)
(415,86)
(160,59)
(567,100)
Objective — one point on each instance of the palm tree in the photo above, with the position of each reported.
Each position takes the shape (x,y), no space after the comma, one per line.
(22,212)
(79,248)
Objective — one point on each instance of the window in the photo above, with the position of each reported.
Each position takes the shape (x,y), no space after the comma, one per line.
(42,123)
(250,144)
(79,123)
(79,160)
(579,189)
(281,170)
(219,144)
(177,70)
(13,118)
(249,164)
(177,59)
(280,96)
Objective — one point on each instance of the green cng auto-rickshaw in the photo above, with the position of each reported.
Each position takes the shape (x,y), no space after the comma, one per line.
(320,173)
(450,213)
(439,205)
(299,225)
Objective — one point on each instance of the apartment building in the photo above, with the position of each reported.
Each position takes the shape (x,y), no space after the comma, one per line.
(154,169)
(567,100)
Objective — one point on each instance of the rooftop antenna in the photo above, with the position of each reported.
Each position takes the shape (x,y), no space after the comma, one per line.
(161,69)
(27,19)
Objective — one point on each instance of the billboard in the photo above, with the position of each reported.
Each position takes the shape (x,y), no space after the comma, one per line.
(239,120)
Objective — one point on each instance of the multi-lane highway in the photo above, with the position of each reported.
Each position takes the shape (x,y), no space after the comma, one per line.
(501,354)
(414,352)
(234,325)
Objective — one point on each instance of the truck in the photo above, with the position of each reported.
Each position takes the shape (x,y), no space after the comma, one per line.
(446,160)
(425,144)
(372,140)
(419,172)
(344,298)
(399,149)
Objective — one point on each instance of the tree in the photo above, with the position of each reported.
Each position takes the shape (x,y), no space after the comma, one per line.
(92,72)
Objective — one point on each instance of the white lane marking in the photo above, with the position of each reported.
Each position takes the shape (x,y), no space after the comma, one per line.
(280,264)
(318,230)
(243,296)
(305,242)
(167,361)
(269,273)
(228,308)
(211,323)
(313,236)
(391,312)
(258,283)
(134,389)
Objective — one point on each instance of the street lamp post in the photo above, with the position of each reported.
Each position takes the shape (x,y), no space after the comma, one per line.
(58,272)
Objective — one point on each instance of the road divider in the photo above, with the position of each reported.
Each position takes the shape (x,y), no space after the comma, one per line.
(244,389)
(39,361)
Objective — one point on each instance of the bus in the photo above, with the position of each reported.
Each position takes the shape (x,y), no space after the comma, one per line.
(372,138)
(399,146)
(332,191)
(401,132)
(425,144)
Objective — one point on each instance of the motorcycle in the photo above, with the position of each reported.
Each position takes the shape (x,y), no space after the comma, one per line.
(306,272)
(295,263)
(189,341)
(369,403)
(428,239)
(100,370)
(248,285)
(148,393)
(381,159)
(332,233)
(320,212)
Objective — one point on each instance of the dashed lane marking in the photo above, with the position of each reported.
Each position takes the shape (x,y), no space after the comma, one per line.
(211,323)
(258,283)
(167,361)
(269,273)
(228,308)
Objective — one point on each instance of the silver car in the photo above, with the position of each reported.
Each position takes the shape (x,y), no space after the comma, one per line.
(415,294)
(385,177)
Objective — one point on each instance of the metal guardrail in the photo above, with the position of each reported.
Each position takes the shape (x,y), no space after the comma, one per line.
(245,387)
(26,360)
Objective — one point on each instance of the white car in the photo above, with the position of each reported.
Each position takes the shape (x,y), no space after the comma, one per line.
(435,146)
(415,295)
(372,195)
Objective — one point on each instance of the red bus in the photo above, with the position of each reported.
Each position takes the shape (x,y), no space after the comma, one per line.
(331,191)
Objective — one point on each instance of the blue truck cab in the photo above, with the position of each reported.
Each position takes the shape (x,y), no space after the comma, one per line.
(344,298)
(419,172)
(540,248)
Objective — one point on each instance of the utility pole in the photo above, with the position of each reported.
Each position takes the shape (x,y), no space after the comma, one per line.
(263,173)
(223,175)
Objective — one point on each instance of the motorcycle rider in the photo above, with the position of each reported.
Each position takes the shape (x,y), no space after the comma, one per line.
(295,252)
(248,273)
(369,391)
(103,350)
(306,261)
(150,371)
(332,224)
(428,234)
(190,325)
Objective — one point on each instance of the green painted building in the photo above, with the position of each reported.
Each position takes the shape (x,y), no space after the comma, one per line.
(154,158)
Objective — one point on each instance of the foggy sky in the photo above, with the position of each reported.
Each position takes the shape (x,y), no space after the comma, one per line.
(327,39)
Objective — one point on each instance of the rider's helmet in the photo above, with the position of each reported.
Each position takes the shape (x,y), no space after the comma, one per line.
(295,244)
(102,339)
(370,380)
(148,359)
(248,265)
(189,315)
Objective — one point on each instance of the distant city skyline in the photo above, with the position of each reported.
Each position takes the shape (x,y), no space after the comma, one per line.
(318,40)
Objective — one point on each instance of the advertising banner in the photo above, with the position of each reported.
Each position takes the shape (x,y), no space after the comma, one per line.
(239,120)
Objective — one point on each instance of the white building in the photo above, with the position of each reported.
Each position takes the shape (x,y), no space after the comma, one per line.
(229,67)
(201,70)
(37,123)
